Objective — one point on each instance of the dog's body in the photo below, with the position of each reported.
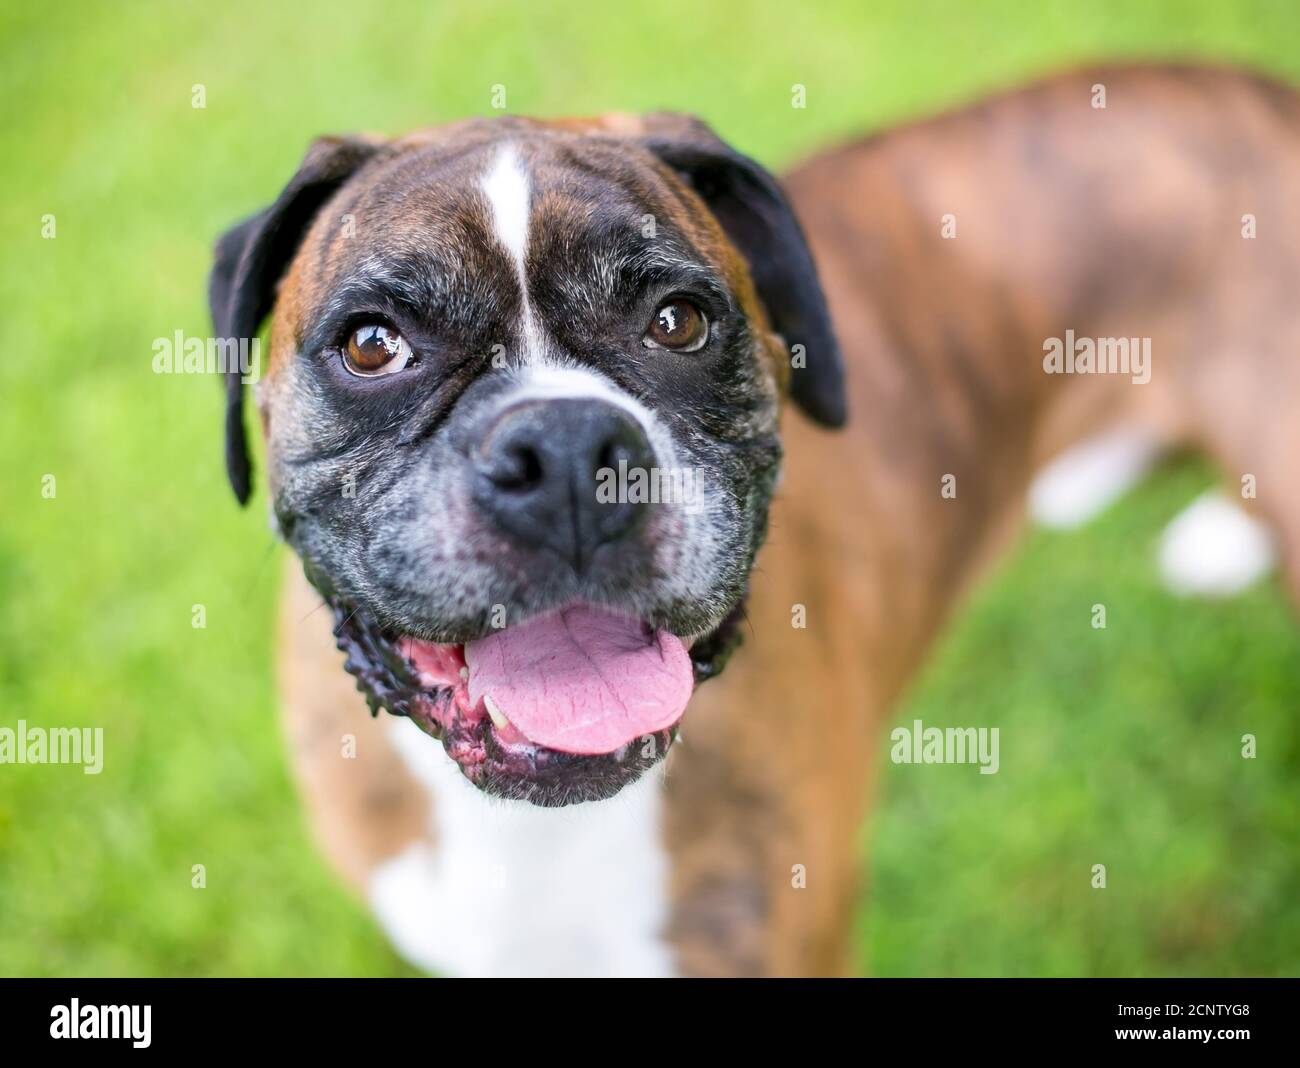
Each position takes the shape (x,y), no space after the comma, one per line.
(949,251)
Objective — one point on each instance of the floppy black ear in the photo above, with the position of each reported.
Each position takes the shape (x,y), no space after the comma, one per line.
(753,211)
(251,258)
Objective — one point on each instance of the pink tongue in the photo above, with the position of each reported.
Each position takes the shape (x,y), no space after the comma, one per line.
(582,680)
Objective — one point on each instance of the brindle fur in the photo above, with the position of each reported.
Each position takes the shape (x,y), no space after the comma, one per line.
(371,479)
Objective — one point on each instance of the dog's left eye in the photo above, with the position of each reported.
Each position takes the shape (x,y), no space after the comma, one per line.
(376,350)
(678,325)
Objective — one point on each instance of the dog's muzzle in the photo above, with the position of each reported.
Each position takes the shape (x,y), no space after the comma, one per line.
(536,469)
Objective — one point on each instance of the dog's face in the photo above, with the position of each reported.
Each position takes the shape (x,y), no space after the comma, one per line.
(521,422)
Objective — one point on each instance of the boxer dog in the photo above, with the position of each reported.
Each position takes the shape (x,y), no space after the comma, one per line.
(474,327)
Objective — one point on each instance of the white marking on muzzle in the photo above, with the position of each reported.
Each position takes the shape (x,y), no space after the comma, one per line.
(550,381)
(689,554)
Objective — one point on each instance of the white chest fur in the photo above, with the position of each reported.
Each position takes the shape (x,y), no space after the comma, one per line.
(511,889)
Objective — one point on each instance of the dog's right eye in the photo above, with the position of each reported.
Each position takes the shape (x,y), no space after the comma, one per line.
(376,350)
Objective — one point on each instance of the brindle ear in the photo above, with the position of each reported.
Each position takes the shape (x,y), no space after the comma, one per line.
(251,258)
(750,206)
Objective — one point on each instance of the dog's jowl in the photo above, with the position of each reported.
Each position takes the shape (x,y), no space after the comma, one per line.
(523,412)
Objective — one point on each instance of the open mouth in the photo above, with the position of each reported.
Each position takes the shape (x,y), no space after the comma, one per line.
(564,707)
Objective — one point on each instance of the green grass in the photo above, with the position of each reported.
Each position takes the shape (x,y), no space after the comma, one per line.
(1119,746)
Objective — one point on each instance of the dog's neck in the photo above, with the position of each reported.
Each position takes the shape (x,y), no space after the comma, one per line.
(848,595)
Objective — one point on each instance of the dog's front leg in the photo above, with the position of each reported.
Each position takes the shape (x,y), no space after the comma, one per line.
(762,835)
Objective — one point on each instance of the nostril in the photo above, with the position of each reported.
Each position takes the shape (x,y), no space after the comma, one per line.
(516,466)
(525,468)
(611,453)
(627,445)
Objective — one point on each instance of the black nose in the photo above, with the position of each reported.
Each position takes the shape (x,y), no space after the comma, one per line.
(546,471)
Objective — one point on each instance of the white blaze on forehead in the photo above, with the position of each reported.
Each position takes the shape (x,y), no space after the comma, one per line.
(506,186)
(508,192)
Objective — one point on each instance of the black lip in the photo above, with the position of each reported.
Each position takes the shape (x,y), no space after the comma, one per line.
(533,773)
(537,774)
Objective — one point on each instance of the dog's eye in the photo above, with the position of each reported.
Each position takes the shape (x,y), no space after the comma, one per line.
(678,325)
(376,350)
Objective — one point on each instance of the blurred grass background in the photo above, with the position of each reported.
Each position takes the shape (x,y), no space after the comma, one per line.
(1119,747)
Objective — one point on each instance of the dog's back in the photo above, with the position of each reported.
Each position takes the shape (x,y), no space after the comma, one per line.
(1149,204)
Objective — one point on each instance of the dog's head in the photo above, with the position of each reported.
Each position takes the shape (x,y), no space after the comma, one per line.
(521,421)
